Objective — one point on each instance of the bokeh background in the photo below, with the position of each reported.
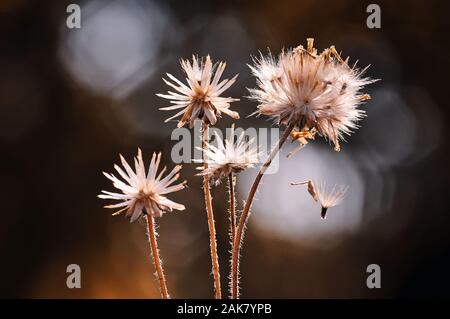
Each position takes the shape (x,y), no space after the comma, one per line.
(71,100)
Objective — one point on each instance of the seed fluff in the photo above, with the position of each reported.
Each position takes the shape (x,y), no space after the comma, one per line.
(141,191)
(235,155)
(200,98)
(326,196)
(318,93)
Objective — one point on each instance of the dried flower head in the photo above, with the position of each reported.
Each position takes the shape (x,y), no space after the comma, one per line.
(231,156)
(315,92)
(141,191)
(200,99)
(326,196)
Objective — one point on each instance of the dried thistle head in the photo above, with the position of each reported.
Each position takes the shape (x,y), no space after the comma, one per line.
(326,196)
(233,156)
(315,92)
(200,98)
(143,191)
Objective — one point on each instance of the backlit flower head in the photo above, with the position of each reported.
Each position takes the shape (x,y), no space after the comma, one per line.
(235,155)
(315,92)
(200,98)
(143,191)
(325,195)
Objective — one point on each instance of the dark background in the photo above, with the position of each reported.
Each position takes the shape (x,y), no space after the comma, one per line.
(72,100)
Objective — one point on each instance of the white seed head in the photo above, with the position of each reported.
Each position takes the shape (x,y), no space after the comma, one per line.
(235,155)
(314,92)
(200,98)
(143,191)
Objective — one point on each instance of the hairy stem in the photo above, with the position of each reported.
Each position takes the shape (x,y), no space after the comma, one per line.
(237,245)
(231,183)
(156,258)
(210,215)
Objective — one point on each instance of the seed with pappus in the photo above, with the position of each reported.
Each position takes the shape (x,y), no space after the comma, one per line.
(326,196)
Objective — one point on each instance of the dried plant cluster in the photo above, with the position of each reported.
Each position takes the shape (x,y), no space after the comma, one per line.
(307,92)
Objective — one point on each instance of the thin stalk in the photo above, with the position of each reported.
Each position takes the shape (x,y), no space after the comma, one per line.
(156,258)
(210,215)
(246,213)
(231,183)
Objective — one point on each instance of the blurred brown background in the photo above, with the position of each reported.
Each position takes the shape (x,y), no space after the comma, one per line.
(71,100)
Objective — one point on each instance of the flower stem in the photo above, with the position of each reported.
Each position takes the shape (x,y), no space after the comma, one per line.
(156,258)
(246,213)
(210,215)
(231,183)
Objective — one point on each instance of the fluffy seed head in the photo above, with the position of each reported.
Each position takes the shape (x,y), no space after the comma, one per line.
(231,156)
(200,98)
(143,191)
(316,92)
